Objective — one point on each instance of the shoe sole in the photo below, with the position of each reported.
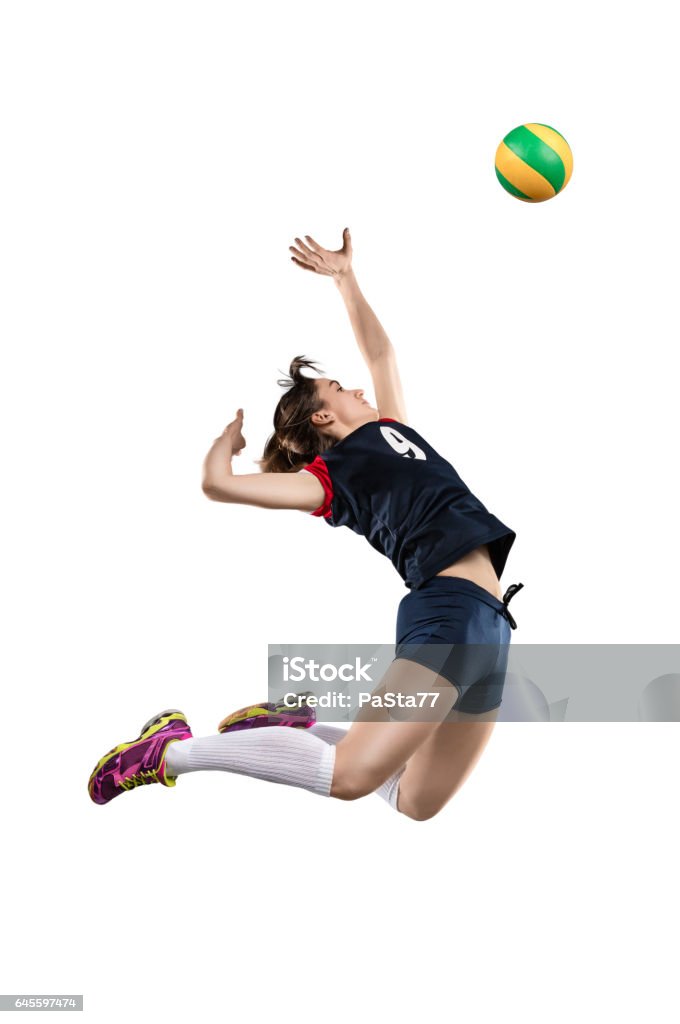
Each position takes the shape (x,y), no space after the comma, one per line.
(156,720)
(278,716)
(158,717)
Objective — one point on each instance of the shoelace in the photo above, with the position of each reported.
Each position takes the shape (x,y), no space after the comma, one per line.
(140,779)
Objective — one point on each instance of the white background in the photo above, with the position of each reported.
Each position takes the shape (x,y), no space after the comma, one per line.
(158,161)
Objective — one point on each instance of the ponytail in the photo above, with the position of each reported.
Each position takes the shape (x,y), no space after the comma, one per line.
(296,441)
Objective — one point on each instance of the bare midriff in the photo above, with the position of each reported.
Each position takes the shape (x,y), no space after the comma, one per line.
(476,566)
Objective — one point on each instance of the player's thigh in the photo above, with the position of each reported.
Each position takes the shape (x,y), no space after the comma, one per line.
(381,739)
(441,764)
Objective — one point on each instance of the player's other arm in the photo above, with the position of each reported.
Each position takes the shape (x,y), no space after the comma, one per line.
(375,347)
(301,491)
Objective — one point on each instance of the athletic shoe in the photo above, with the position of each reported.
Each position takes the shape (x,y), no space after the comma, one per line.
(141,761)
(257,715)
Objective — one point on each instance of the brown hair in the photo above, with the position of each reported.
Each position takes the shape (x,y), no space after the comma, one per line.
(295,441)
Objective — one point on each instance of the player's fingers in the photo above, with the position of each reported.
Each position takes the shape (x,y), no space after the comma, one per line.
(307,249)
(315,245)
(307,256)
(305,266)
(315,270)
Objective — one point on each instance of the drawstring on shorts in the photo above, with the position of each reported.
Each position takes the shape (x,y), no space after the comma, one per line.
(507,597)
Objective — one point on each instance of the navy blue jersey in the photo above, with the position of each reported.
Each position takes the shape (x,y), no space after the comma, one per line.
(385,482)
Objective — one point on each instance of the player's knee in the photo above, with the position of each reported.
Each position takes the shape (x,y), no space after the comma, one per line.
(418,809)
(352,784)
(419,813)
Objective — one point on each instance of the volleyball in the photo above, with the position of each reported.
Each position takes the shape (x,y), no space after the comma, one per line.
(534,162)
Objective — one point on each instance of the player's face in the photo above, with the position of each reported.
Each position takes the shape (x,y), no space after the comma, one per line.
(349,406)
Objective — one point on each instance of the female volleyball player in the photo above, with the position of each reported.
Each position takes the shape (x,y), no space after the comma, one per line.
(335,456)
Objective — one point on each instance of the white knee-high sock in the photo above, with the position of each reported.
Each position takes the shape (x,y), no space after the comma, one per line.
(389,790)
(328,733)
(291,757)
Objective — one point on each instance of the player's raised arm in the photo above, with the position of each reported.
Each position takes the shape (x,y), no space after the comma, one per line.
(374,345)
(300,491)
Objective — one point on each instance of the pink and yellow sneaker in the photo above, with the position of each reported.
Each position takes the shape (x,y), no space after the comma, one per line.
(139,762)
(301,716)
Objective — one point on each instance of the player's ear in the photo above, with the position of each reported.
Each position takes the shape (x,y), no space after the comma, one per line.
(322,418)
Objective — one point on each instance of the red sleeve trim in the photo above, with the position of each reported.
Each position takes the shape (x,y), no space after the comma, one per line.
(386,419)
(319,469)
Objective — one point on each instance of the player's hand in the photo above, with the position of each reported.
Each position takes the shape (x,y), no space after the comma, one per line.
(233,430)
(329,262)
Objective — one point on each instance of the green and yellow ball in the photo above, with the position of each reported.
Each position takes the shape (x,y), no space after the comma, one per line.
(534,162)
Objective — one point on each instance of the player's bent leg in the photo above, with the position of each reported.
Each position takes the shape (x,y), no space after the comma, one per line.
(443,762)
(381,740)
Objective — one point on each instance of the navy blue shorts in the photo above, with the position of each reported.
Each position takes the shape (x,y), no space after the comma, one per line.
(437,622)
